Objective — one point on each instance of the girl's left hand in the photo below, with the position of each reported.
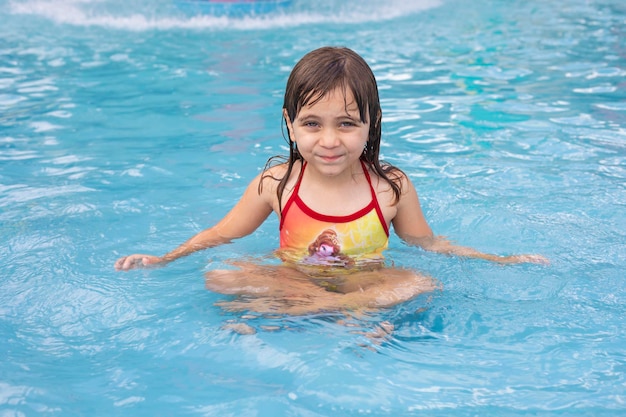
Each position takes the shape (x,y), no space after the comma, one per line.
(126,263)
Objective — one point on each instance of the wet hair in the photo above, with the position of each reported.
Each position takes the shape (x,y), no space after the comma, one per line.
(317,74)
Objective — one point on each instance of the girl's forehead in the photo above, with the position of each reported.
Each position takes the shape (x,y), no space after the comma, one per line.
(342,95)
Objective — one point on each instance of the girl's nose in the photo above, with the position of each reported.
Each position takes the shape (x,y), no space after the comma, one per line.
(329,138)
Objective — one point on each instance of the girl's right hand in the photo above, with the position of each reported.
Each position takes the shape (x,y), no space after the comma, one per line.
(126,263)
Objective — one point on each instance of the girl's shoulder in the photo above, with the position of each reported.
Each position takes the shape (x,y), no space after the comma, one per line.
(390,175)
(278,170)
(275,172)
(390,184)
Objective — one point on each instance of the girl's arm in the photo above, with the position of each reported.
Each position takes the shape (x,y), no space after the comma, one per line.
(244,218)
(411,226)
(442,245)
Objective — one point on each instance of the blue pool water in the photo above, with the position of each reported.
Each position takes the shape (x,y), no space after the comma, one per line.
(127,126)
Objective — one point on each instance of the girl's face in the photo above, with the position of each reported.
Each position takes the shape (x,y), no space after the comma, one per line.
(330,134)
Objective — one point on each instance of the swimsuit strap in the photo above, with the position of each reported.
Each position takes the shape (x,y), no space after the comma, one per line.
(292,197)
(379,211)
(369,181)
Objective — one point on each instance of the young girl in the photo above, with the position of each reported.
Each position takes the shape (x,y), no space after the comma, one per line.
(336,202)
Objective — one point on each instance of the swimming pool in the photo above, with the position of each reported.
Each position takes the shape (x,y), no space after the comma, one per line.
(128,126)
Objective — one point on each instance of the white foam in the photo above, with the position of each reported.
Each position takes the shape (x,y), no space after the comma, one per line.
(166,16)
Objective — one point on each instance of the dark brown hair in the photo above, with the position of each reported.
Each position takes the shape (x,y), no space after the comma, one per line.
(320,72)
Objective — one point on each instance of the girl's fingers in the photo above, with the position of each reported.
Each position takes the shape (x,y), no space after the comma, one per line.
(133,261)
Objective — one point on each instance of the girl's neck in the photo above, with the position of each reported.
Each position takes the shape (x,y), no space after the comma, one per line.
(348,177)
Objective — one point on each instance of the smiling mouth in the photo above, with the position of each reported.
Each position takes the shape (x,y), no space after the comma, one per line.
(329,158)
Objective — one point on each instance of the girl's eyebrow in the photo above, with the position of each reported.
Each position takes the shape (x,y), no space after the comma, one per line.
(342,116)
(301,116)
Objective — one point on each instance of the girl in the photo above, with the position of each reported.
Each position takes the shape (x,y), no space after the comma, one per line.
(335,200)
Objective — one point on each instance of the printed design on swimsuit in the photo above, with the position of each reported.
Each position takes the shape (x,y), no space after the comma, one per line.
(326,249)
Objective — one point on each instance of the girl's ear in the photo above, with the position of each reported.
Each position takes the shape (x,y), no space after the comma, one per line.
(288,123)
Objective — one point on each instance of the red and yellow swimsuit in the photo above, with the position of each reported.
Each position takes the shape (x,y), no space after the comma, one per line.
(311,238)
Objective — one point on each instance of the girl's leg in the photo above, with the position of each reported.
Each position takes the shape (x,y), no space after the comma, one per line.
(252,279)
(388,287)
(270,289)
(284,290)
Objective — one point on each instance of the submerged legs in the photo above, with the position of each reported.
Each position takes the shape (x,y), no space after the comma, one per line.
(283,289)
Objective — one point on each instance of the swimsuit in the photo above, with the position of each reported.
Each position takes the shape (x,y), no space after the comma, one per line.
(311,238)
